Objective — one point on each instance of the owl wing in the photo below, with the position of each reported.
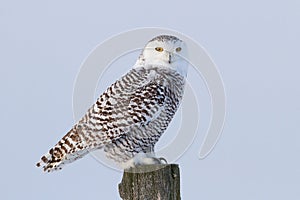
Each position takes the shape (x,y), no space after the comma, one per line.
(127,103)
(134,100)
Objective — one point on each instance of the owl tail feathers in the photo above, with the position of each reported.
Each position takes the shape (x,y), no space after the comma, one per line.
(74,145)
(49,163)
(54,160)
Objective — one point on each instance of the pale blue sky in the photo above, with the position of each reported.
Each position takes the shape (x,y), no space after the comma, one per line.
(255,44)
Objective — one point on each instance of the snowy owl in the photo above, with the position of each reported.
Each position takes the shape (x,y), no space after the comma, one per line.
(128,119)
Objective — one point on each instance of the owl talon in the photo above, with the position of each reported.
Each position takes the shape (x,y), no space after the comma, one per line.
(163,160)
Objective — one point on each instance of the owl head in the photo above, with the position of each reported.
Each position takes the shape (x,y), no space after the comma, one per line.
(165,51)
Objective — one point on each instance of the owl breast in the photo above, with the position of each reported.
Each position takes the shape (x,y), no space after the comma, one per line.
(148,107)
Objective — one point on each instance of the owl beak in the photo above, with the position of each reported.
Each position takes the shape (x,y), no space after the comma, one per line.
(170,58)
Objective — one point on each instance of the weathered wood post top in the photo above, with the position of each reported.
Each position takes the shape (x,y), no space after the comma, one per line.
(147,182)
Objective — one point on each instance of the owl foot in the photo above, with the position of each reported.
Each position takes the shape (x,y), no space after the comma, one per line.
(150,161)
(143,159)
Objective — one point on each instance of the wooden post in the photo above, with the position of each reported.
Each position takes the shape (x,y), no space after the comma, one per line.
(147,182)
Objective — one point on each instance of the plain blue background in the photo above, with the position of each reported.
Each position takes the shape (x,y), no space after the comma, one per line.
(255,44)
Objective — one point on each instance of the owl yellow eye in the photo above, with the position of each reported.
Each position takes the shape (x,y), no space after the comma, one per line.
(178,49)
(159,49)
